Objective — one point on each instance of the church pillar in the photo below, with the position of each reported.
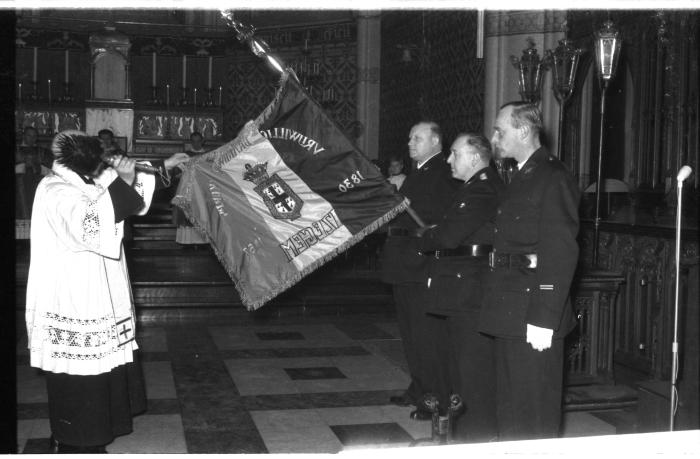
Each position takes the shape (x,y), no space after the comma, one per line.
(368,59)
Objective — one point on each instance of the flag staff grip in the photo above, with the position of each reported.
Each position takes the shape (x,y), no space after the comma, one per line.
(415,217)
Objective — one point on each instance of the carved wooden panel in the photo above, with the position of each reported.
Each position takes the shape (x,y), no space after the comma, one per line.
(643,320)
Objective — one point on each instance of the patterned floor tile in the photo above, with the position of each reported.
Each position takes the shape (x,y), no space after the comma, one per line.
(279,336)
(231,442)
(159,380)
(316,335)
(582,424)
(152,434)
(154,339)
(314,373)
(293,431)
(371,434)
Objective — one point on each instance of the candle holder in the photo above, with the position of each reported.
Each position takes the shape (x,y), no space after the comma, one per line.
(210,98)
(530,71)
(183,100)
(34,96)
(66,98)
(154,100)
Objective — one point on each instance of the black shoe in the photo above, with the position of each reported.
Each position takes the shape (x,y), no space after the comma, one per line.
(401,400)
(421,415)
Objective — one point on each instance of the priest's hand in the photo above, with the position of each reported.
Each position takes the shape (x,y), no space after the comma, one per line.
(539,338)
(126,168)
(176,160)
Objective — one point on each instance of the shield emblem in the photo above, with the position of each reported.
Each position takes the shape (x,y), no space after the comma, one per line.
(280,199)
(278,196)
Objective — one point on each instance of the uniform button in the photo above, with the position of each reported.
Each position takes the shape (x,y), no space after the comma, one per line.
(498,211)
(495,230)
(527,289)
(459,275)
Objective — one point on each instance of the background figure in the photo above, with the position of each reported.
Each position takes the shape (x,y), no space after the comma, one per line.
(32,163)
(458,248)
(79,313)
(430,188)
(526,305)
(109,145)
(395,172)
(186,234)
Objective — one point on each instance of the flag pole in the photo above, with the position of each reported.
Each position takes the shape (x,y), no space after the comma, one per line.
(415,216)
(245,34)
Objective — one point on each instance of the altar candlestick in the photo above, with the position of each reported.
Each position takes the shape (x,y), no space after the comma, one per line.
(195,97)
(49,91)
(167,95)
(209,80)
(184,71)
(153,81)
(66,67)
(219,96)
(34,69)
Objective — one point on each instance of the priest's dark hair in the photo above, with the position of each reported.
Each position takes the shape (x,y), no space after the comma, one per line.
(77,151)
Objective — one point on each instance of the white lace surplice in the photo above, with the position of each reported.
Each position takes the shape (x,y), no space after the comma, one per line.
(79,310)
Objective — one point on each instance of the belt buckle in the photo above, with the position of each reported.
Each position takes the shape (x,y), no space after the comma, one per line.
(437,254)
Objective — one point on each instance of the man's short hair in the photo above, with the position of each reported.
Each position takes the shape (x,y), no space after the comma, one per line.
(105,132)
(525,114)
(196,134)
(29,128)
(480,143)
(434,129)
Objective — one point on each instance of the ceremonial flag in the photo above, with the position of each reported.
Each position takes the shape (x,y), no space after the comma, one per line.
(288,194)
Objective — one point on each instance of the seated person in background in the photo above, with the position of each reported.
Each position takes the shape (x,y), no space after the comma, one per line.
(186,234)
(395,171)
(32,163)
(196,144)
(109,146)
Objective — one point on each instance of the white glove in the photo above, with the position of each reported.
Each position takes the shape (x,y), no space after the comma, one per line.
(539,338)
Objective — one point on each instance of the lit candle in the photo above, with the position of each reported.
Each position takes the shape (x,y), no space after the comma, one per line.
(195,97)
(184,71)
(209,81)
(153,82)
(34,71)
(66,67)
(20,92)
(219,95)
(49,91)
(167,95)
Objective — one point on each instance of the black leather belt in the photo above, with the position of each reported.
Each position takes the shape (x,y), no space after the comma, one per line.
(398,231)
(512,260)
(475,250)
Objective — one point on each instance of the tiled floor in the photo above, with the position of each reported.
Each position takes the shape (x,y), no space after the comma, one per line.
(267,386)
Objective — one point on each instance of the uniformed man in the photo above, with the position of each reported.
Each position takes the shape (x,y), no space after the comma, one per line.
(458,247)
(429,188)
(526,305)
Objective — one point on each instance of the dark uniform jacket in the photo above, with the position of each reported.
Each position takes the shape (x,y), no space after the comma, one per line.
(430,190)
(456,281)
(538,215)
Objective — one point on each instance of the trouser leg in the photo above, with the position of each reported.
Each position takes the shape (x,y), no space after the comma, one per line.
(409,299)
(529,389)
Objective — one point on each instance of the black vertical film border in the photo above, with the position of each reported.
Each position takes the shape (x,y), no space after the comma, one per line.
(8,419)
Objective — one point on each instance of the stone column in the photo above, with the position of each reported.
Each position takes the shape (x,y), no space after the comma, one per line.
(368,59)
